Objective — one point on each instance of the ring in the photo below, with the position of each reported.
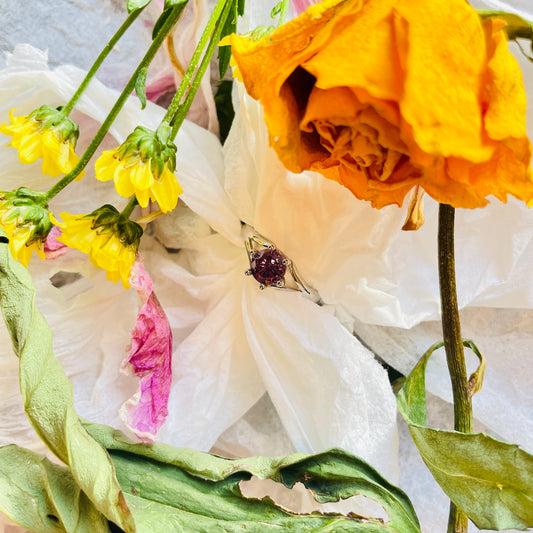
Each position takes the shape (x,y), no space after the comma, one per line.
(269,266)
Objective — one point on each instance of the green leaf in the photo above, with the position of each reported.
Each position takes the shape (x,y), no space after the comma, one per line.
(140,86)
(224,52)
(47,394)
(172,489)
(179,5)
(489,480)
(134,5)
(240,7)
(160,22)
(174,3)
(44,497)
(224,107)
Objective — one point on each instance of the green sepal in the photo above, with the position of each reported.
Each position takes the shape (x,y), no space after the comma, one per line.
(27,207)
(134,5)
(150,147)
(108,219)
(187,490)
(49,118)
(43,496)
(104,216)
(489,480)
(140,86)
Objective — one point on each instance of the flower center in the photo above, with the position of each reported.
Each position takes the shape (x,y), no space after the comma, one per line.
(268,266)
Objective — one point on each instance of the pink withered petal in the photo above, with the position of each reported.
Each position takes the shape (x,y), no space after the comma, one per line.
(52,247)
(150,359)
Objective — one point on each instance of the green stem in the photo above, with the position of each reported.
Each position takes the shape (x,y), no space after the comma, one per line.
(215,16)
(453,343)
(132,204)
(100,134)
(181,113)
(99,60)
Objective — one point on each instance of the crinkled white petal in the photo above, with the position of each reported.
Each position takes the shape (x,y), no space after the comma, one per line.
(215,379)
(327,387)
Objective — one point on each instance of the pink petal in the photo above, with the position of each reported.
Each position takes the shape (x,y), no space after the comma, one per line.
(301,5)
(160,85)
(52,247)
(150,358)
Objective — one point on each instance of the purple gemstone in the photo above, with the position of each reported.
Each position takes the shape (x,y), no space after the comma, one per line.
(267,267)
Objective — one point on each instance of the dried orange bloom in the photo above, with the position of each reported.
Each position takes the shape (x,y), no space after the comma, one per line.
(383,95)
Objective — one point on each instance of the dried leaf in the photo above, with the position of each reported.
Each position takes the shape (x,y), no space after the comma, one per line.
(177,489)
(47,394)
(489,480)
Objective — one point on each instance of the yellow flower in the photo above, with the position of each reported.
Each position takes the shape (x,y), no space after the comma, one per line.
(384,95)
(110,239)
(26,221)
(45,133)
(143,165)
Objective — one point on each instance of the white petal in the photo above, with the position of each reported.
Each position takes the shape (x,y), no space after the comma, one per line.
(327,388)
(215,379)
(357,256)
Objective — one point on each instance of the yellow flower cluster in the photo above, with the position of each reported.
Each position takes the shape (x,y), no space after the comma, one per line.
(142,166)
(138,178)
(110,240)
(19,238)
(47,135)
(26,221)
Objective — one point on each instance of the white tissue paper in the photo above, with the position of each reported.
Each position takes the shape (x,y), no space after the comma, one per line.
(233,342)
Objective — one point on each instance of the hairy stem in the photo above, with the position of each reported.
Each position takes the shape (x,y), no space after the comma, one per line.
(182,109)
(99,60)
(100,134)
(187,77)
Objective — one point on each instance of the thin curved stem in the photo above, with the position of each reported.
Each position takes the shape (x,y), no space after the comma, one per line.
(100,134)
(453,343)
(182,109)
(99,60)
(187,77)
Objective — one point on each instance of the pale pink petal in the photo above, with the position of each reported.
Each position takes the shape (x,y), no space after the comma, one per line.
(300,6)
(161,84)
(150,358)
(52,247)
(141,281)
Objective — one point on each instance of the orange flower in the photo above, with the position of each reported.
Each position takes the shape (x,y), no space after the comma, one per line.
(383,95)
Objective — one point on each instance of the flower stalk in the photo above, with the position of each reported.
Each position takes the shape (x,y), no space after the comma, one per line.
(453,343)
(127,211)
(99,60)
(211,35)
(100,134)
(181,113)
